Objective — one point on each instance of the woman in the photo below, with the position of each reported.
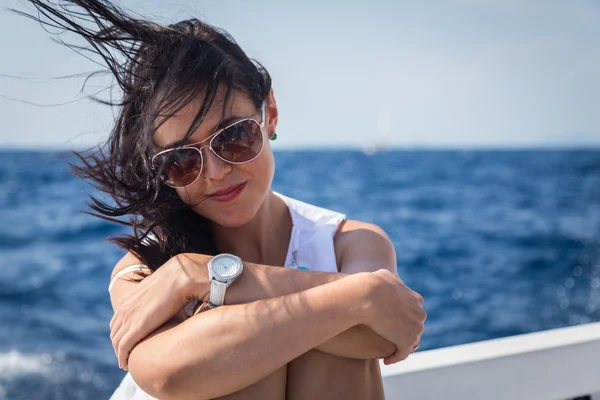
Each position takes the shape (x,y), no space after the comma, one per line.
(228,289)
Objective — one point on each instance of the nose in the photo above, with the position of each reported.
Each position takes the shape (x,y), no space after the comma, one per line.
(214,168)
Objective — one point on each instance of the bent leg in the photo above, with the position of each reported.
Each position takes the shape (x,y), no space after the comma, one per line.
(271,387)
(316,375)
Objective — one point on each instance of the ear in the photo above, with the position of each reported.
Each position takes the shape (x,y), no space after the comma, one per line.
(272,114)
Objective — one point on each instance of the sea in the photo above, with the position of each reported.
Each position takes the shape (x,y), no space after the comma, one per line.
(498,242)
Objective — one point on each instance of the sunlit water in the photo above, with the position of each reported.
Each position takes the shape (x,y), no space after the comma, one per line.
(498,243)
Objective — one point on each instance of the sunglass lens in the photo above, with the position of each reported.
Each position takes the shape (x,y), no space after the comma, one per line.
(180,167)
(240,142)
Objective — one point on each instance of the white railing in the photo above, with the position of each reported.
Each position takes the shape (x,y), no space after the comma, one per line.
(549,365)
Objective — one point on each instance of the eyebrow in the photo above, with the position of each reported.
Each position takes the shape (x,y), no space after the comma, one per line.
(227,121)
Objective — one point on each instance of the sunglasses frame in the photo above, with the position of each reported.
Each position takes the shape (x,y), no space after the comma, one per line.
(194,146)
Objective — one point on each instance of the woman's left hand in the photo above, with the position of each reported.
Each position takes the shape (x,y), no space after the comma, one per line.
(155,300)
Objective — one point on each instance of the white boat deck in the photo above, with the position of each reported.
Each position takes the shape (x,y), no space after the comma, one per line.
(555,364)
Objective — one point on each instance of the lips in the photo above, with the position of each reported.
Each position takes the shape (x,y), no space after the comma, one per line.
(227,190)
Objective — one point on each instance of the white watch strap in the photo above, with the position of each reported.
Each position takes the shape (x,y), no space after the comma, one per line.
(217,293)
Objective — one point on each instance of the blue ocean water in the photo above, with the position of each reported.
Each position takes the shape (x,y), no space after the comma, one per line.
(498,243)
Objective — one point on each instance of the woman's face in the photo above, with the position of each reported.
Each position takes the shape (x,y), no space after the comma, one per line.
(256,175)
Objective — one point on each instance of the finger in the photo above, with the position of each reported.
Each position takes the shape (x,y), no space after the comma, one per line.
(127,344)
(117,339)
(394,358)
(114,318)
(116,356)
(113,327)
(116,326)
(390,355)
(388,360)
(125,366)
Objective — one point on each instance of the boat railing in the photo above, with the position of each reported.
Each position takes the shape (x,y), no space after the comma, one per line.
(559,364)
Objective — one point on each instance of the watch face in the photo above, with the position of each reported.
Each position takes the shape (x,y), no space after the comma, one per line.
(226,266)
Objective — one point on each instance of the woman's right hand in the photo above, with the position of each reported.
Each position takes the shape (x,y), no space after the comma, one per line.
(393,311)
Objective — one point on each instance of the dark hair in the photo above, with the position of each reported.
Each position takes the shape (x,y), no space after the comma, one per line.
(159,70)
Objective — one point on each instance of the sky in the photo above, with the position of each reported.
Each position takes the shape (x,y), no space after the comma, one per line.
(427,74)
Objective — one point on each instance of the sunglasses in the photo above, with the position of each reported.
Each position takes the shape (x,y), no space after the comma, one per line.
(238,143)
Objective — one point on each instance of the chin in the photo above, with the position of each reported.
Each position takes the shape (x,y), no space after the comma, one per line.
(232,220)
(241,211)
(230,217)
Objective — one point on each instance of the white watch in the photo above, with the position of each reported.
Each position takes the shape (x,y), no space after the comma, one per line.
(223,269)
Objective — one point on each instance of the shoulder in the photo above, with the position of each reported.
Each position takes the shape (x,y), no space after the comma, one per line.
(356,240)
(128,260)
(352,232)
(353,228)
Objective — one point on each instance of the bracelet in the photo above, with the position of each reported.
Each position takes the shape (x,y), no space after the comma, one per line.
(200,307)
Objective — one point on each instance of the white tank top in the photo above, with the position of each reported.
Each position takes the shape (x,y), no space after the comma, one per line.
(311,248)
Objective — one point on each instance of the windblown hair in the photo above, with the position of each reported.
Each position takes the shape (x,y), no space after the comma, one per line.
(159,70)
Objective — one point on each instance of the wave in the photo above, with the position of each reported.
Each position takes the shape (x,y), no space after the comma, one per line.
(16,364)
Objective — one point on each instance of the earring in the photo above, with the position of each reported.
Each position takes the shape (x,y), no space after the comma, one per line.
(274,137)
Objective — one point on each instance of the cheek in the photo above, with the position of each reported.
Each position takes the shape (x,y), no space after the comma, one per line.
(264,168)
(192,194)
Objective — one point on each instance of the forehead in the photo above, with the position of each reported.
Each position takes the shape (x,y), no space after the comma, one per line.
(174,128)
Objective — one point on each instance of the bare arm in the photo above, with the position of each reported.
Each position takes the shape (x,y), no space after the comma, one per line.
(359,247)
(363,248)
(231,347)
(258,280)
